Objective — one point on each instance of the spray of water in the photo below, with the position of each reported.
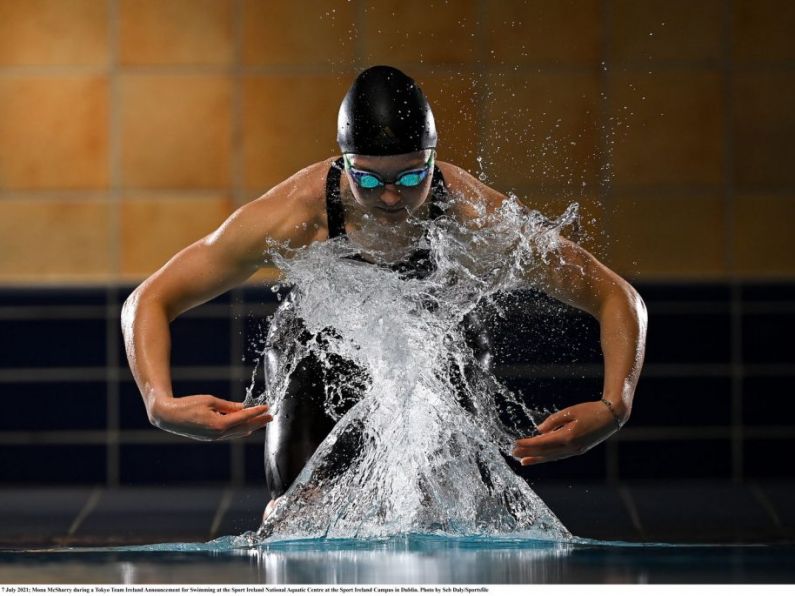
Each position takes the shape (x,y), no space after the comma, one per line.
(422,449)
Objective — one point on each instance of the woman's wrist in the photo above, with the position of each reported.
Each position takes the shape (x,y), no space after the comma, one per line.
(156,403)
(618,411)
(616,418)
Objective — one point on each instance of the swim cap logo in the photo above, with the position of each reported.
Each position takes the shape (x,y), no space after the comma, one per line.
(388,134)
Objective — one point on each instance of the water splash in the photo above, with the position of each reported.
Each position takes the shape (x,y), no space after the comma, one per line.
(422,449)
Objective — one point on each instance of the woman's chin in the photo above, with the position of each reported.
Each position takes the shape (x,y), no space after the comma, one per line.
(390,217)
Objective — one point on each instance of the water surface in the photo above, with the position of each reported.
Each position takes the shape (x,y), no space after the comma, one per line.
(405,560)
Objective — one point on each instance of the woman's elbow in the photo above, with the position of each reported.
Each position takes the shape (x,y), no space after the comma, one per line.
(638,307)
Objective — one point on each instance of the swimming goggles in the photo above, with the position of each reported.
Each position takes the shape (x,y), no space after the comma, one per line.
(409,178)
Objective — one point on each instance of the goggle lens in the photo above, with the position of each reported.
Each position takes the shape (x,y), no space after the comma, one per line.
(366,180)
(369,180)
(412,178)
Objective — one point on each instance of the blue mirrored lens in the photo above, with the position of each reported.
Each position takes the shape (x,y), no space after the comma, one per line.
(410,179)
(367,181)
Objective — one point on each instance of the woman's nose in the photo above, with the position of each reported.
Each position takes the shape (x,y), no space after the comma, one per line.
(390,196)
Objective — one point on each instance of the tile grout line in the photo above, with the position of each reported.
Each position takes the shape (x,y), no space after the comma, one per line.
(115,184)
(220,311)
(481,86)
(78,374)
(88,507)
(603,188)
(422,68)
(237,452)
(223,506)
(236,158)
(145,436)
(358,43)
(736,306)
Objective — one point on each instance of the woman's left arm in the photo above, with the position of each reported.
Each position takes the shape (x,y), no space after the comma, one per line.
(580,280)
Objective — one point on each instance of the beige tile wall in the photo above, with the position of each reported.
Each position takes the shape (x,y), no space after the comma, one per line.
(542,129)
(533,33)
(670,128)
(197,32)
(644,32)
(153,216)
(315,34)
(53,131)
(175,130)
(280,137)
(131,128)
(51,240)
(682,237)
(63,32)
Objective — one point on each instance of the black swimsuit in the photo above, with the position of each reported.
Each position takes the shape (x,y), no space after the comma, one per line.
(302,421)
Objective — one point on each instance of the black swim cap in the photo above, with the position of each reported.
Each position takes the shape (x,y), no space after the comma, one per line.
(385,113)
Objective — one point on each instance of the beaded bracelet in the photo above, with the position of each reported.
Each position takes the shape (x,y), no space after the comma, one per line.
(612,412)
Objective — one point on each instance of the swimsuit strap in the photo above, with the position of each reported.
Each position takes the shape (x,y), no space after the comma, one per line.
(335,212)
(438,193)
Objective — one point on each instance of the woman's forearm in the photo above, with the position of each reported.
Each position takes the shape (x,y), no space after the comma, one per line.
(147,341)
(623,323)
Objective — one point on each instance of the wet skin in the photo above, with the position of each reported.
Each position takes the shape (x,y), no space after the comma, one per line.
(294,212)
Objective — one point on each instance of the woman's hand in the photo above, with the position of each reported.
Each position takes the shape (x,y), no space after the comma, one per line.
(207,418)
(569,432)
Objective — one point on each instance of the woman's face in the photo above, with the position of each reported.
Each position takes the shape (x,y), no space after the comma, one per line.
(390,202)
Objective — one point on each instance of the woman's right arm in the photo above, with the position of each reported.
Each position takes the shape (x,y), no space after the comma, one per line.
(197,274)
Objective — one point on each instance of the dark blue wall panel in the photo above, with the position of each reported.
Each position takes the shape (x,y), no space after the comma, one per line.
(59,374)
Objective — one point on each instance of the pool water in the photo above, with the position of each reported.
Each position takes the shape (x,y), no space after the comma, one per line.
(405,560)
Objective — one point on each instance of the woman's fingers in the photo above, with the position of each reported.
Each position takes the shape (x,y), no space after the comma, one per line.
(247,427)
(224,405)
(555,420)
(547,445)
(209,418)
(529,461)
(554,442)
(228,421)
(566,433)
(258,422)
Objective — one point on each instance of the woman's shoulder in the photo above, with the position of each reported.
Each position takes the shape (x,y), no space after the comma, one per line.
(470,194)
(295,208)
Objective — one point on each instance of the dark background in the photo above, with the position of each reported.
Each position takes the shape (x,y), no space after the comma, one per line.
(714,401)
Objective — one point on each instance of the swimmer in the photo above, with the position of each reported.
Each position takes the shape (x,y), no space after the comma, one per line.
(388,172)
